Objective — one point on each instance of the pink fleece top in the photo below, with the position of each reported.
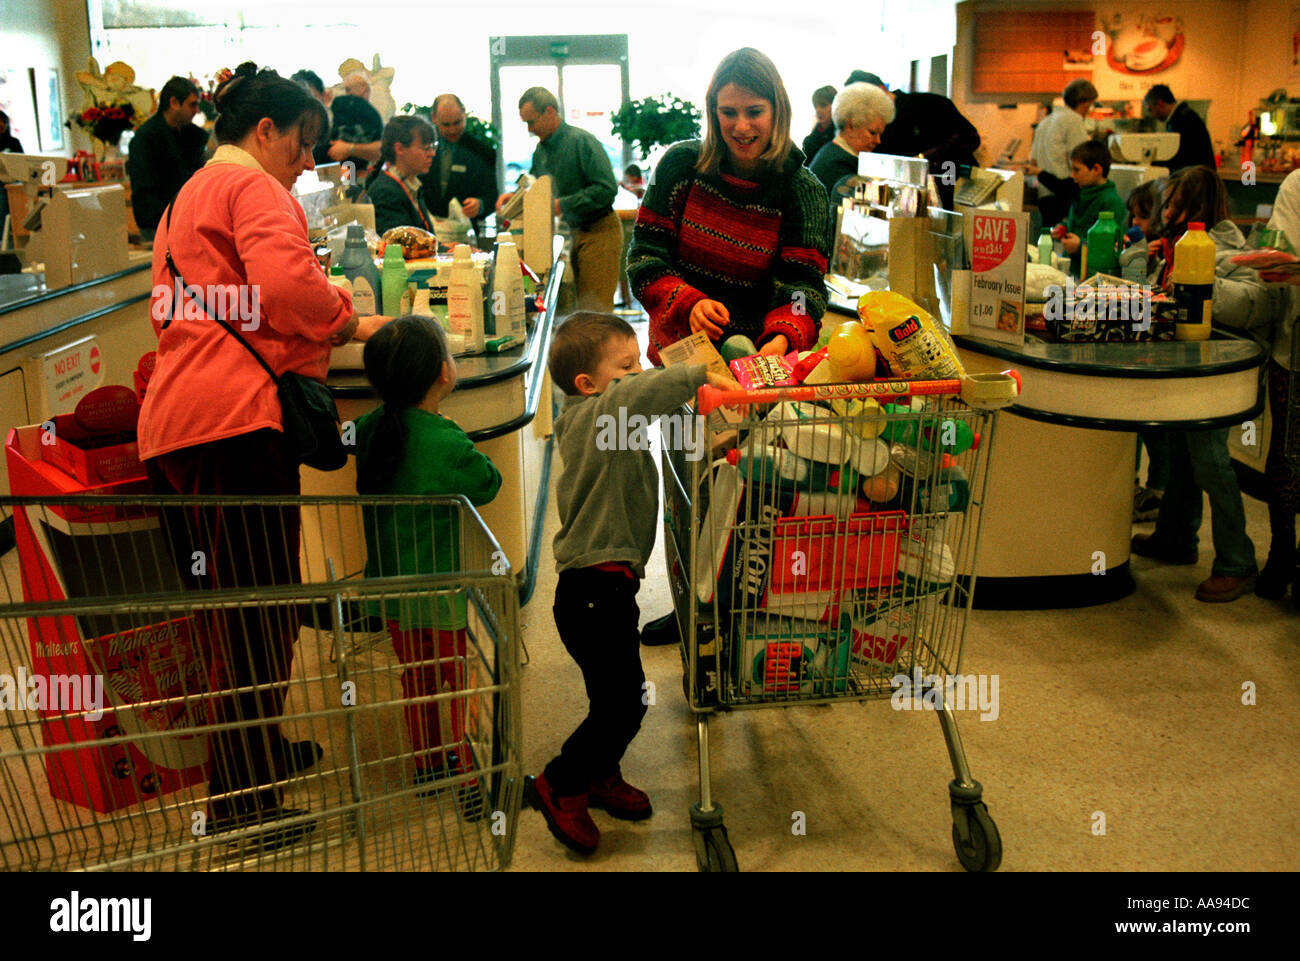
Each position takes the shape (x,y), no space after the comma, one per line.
(235,225)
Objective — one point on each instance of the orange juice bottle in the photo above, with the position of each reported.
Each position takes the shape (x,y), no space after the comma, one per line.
(1193,278)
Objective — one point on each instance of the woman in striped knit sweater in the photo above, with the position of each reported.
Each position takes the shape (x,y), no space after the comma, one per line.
(734,233)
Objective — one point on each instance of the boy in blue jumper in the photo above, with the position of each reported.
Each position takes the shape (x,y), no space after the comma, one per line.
(608,505)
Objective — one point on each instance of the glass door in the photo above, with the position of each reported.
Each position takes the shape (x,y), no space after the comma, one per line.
(587,74)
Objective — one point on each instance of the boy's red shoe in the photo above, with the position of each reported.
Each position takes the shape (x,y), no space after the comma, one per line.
(567,817)
(618,798)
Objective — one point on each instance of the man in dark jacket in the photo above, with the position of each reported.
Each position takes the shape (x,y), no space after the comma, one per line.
(929,125)
(463,168)
(164,153)
(1194,146)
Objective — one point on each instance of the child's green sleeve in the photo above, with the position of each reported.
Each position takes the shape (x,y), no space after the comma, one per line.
(472,473)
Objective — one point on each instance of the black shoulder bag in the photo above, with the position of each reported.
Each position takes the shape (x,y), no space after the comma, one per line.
(307,409)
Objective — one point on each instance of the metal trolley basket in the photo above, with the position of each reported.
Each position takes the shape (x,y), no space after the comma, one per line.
(112,770)
(824,550)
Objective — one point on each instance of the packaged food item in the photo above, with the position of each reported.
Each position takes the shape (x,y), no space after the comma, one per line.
(850,353)
(882,639)
(925,563)
(416,244)
(883,487)
(907,337)
(760,371)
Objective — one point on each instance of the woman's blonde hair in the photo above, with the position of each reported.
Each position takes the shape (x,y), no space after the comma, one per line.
(753,71)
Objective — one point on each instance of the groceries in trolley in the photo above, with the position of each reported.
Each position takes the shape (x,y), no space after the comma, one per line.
(816,530)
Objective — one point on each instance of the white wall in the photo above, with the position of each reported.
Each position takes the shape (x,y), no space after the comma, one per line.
(43,34)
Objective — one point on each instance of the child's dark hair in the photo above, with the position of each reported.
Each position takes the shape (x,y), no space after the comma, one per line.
(579,345)
(632,170)
(404,130)
(1144,202)
(403,361)
(251,94)
(1092,153)
(1197,194)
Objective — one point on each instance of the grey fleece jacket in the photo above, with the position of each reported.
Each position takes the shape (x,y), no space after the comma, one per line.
(608,498)
(1241,300)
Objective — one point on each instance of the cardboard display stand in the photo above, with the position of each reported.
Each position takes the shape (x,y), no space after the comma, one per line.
(135,660)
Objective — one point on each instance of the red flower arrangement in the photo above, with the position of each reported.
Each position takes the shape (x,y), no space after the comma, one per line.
(107,123)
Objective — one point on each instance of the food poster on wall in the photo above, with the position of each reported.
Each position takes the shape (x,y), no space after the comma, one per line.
(1142,44)
(997,296)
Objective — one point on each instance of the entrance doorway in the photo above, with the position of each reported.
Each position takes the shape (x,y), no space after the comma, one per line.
(587,74)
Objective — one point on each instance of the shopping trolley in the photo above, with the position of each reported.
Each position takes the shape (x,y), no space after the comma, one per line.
(131,676)
(825,552)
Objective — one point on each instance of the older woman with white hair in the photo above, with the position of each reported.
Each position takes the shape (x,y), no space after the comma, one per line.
(861,112)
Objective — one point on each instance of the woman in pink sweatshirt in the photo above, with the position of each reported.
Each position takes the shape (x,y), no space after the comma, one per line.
(211,420)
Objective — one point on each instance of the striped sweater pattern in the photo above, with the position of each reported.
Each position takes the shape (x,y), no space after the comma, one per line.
(758,246)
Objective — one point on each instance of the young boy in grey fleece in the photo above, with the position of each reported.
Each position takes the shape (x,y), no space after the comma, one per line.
(608,507)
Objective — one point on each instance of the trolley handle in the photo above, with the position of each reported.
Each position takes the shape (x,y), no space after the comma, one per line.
(977,390)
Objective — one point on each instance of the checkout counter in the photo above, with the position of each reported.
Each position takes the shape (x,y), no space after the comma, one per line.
(1058,498)
(504,403)
(58,345)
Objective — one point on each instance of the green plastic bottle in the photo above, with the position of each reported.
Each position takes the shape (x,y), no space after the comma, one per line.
(393,280)
(1103,238)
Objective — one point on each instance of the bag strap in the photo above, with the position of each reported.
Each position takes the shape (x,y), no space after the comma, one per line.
(178,291)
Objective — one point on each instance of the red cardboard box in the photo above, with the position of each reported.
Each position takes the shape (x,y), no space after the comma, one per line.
(816,561)
(135,659)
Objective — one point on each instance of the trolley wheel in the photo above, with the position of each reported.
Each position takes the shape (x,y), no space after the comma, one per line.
(713,852)
(983,850)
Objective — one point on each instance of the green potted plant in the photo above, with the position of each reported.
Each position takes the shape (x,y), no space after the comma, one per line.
(656,122)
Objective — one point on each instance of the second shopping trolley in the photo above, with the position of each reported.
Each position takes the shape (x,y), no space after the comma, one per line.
(825,551)
(273,724)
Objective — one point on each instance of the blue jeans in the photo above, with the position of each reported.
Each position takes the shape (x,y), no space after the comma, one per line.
(1199,462)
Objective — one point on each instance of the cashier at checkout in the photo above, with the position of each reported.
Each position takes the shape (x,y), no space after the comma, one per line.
(464,169)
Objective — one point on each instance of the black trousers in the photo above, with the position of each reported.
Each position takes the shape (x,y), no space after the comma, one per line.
(596,615)
(246,647)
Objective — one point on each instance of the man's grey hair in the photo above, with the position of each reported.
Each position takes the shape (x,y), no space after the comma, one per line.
(540,98)
(860,104)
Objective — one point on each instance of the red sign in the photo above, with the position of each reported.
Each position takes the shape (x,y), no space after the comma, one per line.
(995,238)
(94,360)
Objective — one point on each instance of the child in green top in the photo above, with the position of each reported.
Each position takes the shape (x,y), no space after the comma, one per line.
(1089,168)
(406,447)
